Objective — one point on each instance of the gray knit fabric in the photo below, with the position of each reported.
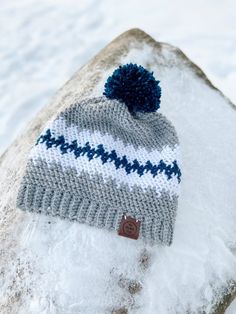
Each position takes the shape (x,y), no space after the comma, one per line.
(97,162)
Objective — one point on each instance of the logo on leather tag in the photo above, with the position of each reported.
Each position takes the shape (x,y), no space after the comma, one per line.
(129,227)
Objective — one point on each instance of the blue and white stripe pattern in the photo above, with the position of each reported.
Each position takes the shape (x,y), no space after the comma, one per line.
(100,153)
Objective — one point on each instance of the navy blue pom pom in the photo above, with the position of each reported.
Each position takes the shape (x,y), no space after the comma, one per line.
(135,86)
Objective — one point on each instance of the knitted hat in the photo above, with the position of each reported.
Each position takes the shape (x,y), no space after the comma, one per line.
(110,162)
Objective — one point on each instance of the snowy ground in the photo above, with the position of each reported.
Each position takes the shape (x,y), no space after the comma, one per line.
(44,42)
(67,268)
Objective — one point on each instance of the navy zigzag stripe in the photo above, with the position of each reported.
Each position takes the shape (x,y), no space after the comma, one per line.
(99,151)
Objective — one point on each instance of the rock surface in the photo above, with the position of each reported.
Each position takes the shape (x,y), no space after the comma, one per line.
(52,266)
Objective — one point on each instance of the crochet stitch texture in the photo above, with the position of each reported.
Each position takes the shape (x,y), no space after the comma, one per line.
(98,161)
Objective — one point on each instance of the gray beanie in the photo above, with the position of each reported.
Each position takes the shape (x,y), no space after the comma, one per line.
(110,162)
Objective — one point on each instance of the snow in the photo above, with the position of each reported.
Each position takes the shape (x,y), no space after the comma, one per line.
(69,268)
(79,269)
(44,42)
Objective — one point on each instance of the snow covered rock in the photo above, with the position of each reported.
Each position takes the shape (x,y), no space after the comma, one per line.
(48,265)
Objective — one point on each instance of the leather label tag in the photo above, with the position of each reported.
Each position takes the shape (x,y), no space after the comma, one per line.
(129,227)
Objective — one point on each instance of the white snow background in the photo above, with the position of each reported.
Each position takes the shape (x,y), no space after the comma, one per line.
(42,44)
